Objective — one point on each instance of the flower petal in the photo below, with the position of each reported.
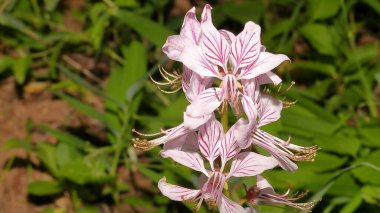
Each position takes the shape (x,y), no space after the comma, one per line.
(269,110)
(193,57)
(193,123)
(230,37)
(246,47)
(263,185)
(209,137)
(191,28)
(269,78)
(243,128)
(250,210)
(193,84)
(229,146)
(249,107)
(187,142)
(265,63)
(228,206)
(214,45)
(205,103)
(176,193)
(250,164)
(175,45)
(190,159)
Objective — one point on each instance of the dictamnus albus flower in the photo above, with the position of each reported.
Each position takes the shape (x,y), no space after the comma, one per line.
(263,193)
(224,56)
(217,149)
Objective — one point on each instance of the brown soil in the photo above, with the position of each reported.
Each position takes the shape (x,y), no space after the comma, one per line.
(14,114)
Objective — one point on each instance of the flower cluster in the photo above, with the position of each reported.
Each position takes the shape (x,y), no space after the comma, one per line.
(223,72)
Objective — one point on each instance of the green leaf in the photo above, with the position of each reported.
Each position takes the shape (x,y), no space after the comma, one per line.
(82,107)
(17,144)
(20,69)
(64,154)
(315,66)
(338,143)
(243,11)
(319,37)
(11,21)
(371,194)
(353,204)
(46,153)
(124,83)
(367,174)
(323,9)
(374,4)
(5,63)
(371,135)
(66,138)
(293,120)
(98,29)
(345,185)
(50,5)
(44,188)
(325,162)
(154,32)
(82,172)
(153,175)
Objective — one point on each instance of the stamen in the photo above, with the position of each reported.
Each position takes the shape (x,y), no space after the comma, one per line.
(142,144)
(173,81)
(287,104)
(148,135)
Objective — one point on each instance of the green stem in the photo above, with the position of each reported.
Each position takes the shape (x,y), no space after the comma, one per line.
(224,117)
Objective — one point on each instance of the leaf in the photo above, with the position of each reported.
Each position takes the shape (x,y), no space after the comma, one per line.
(308,124)
(243,11)
(46,153)
(64,154)
(82,107)
(315,66)
(20,68)
(12,22)
(366,174)
(345,185)
(371,135)
(66,138)
(325,162)
(44,188)
(323,9)
(50,5)
(338,143)
(374,4)
(98,29)
(319,37)
(5,63)
(17,144)
(353,204)
(371,194)
(154,32)
(124,83)
(153,175)
(82,172)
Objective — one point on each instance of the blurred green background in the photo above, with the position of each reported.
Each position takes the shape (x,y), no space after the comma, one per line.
(74,82)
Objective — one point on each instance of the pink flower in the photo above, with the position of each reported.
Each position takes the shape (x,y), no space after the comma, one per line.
(268,111)
(217,148)
(221,54)
(192,84)
(263,193)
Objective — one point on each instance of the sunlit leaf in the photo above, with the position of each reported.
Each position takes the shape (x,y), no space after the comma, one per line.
(319,37)
(44,188)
